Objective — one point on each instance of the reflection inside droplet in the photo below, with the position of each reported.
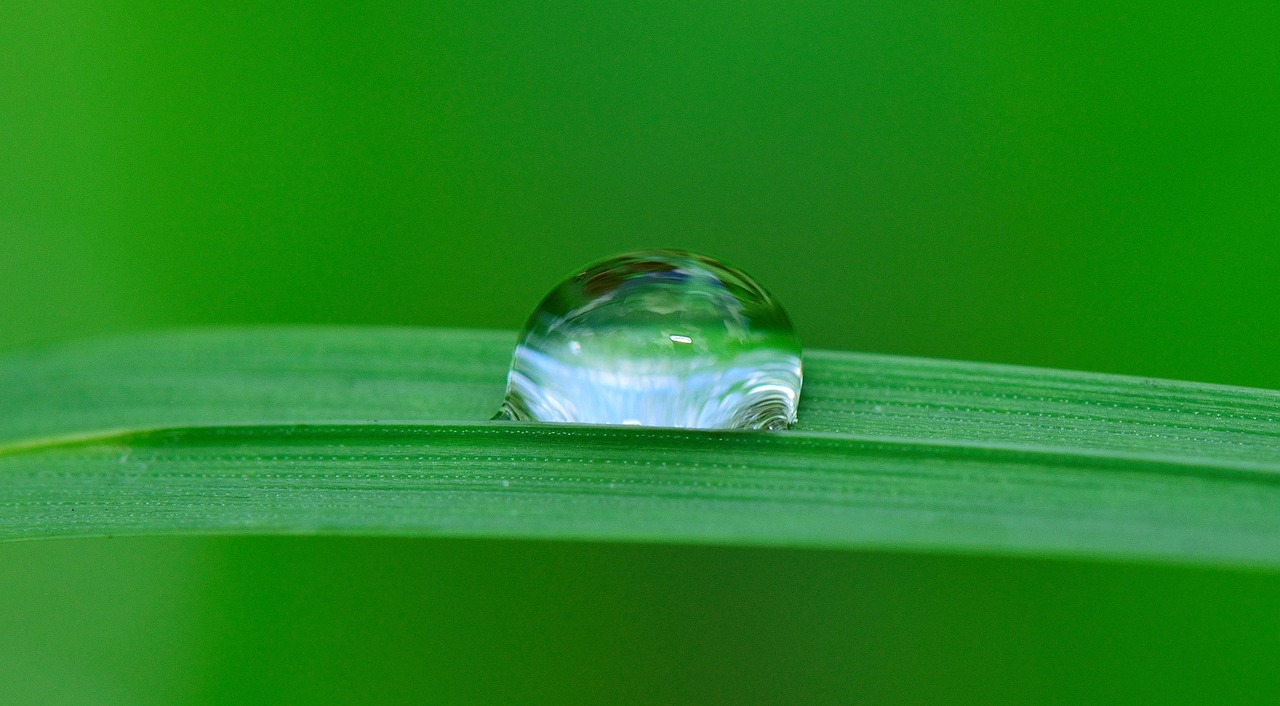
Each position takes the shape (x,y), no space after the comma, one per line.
(657,338)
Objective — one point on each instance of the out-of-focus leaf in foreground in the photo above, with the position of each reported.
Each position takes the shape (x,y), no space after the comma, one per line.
(372,431)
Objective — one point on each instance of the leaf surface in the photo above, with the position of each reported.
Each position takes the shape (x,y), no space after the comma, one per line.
(374,431)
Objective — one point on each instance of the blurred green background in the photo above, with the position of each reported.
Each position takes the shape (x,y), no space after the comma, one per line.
(1093,186)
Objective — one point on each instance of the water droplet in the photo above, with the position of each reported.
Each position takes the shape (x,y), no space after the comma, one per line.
(659,338)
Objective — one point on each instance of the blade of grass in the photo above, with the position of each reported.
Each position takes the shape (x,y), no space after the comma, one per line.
(381,431)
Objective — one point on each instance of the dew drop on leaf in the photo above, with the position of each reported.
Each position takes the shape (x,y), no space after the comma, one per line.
(658,338)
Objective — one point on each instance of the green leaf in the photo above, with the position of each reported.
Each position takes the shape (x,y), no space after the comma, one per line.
(374,431)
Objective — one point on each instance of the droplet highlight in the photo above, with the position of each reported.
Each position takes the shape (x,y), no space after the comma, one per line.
(658,338)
